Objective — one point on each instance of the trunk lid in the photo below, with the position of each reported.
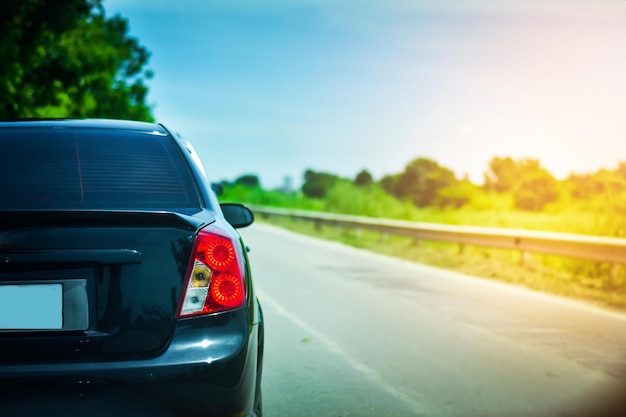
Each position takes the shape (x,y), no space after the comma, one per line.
(113,277)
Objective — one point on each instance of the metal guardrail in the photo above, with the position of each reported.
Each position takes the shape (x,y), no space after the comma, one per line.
(595,248)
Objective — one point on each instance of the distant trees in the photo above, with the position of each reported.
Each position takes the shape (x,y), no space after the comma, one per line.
(521,184)
(532,186)
(529,185)
(363,178)
(535,190)
(602,182)
(248,180)
(457,195)
(502,174)
(604,189)
(67,59)
(425,183)
(317,184)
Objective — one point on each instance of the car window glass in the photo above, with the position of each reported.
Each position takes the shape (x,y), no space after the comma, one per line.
(50,169)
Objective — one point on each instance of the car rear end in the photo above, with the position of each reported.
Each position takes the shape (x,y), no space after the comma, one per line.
(123,290)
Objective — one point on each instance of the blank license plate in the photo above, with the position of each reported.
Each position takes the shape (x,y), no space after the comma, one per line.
(31,307)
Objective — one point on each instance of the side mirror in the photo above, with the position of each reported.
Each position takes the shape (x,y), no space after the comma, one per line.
(237,215)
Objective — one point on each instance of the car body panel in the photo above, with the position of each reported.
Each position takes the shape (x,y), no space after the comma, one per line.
(121,248)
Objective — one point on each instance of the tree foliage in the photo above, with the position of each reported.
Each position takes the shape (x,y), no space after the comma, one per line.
(389,183)
(363,179)
(502,174)
(421,182)
(456,195)
(603,182)
(603,190)
(248,180)
(317,184)
(532,186)
(535,191)
(510,185)
(67,59)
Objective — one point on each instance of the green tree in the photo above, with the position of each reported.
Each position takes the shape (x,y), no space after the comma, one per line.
(317,184)
(248,180)
(531,185)
(535,190)
(502,175)
(580,186)
(389,183)
(421,182)
(621,169)
(603,183)
(535,186)
(363,179)
(456,195)
(67,59)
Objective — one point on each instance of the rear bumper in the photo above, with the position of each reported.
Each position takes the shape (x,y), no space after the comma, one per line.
(206,370)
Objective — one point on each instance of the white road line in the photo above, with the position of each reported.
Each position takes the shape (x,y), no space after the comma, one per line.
(364,369)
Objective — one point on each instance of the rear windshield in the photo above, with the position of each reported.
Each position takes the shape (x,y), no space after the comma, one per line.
(88,168)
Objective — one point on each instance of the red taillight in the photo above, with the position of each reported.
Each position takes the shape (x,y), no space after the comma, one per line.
(214,280)
(218,253)
(227,290)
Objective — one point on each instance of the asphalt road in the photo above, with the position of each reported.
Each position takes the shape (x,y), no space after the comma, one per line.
(350,333)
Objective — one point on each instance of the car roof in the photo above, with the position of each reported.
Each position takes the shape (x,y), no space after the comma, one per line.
(86,124)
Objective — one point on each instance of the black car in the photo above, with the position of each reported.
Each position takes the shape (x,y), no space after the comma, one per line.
(124,287)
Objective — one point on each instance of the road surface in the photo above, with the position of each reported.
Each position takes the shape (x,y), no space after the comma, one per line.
(350,333)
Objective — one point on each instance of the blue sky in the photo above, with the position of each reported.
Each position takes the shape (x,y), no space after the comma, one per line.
(274,87)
